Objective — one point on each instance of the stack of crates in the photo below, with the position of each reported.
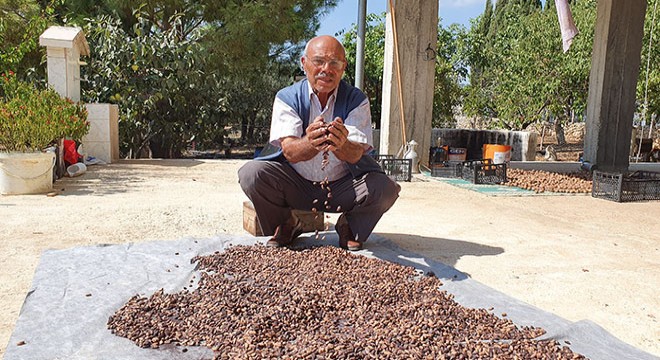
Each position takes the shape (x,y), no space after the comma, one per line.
(439,163)
(396,169)
(626,187)
(447,169)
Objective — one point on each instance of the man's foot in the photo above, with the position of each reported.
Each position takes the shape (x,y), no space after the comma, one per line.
(346,237)
(286,233)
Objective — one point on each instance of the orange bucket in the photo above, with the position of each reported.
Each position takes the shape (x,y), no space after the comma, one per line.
(500,154)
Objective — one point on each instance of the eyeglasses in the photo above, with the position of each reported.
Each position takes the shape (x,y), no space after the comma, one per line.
(333,64)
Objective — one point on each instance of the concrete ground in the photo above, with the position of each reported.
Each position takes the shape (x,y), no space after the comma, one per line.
(573,255)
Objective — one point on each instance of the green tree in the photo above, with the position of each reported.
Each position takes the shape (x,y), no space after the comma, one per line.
(451,71)
(521,74)
(21,23)
(497,18)
(648,88)
(249,98)
(164,94)
(374,55)
(483,22)
(477,98)
(240,34)
(185,71)
(569,77)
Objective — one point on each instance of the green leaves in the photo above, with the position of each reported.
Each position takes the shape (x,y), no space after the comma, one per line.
(520,74)
(183,69)
(450,73)
(31,118)
(21,23)
(156,80)
(648,87)
(374,52)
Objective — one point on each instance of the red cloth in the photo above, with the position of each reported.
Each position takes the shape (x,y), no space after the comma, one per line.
(71,155)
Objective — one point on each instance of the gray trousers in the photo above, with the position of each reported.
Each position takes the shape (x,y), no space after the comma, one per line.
(275,188)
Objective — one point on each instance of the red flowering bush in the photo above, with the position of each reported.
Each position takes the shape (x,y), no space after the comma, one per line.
(31,119)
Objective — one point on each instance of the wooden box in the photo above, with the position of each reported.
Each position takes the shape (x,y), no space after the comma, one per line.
(311,221)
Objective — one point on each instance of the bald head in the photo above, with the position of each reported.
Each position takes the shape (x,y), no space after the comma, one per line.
(326,41)
(324,63)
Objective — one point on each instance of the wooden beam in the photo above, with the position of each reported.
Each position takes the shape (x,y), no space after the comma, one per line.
(616,59)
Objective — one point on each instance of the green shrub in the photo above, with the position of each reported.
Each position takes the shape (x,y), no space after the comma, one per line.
(31,119)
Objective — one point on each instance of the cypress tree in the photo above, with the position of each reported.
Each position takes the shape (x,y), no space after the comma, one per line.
(486,18)
(534,5)
(497,18)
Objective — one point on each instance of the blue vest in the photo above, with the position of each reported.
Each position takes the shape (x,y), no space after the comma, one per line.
(348,98)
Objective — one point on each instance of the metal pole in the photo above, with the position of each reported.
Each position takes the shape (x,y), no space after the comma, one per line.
(359,56)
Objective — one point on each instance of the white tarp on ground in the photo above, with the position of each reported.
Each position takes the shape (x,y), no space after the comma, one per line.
(75,291)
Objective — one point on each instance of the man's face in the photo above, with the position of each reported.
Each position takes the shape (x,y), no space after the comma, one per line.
(324,63)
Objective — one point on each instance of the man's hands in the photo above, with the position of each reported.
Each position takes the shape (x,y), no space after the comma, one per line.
(319,137)
(327,137)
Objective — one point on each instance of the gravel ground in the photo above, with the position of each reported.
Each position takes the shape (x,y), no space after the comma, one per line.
(572,255)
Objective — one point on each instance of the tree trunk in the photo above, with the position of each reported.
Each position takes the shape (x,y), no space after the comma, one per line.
(559,132)
(244,130)
(542,136)
(250,132)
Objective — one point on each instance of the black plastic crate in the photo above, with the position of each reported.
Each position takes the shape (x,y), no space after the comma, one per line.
(379,157)
(447,169)
(626,187)
(397,169)
(483,172)
(383,157)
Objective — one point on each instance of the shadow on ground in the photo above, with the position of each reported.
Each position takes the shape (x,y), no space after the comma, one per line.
(426,254)
(446,251)
(97,183)
(119,177)
(184,163)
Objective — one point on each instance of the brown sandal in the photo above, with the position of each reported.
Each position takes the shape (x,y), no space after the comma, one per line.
(285,234)
(346,238)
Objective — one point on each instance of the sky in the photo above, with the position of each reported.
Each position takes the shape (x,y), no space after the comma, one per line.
(451,11)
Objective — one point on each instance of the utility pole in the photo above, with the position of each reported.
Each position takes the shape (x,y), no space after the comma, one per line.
(359,56)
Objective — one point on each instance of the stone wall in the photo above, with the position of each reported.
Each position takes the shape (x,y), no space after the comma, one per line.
(523,143)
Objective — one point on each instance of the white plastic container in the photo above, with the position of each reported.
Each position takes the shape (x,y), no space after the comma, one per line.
(76,169)
(26,173)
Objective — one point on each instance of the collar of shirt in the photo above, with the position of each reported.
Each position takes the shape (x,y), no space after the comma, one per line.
(314,99)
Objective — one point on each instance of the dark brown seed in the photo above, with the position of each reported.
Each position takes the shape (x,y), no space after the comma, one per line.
(251,301)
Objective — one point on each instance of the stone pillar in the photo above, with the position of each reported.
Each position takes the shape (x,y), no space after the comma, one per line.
(64,46)
(417,32)
(102,141)
(612,83)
